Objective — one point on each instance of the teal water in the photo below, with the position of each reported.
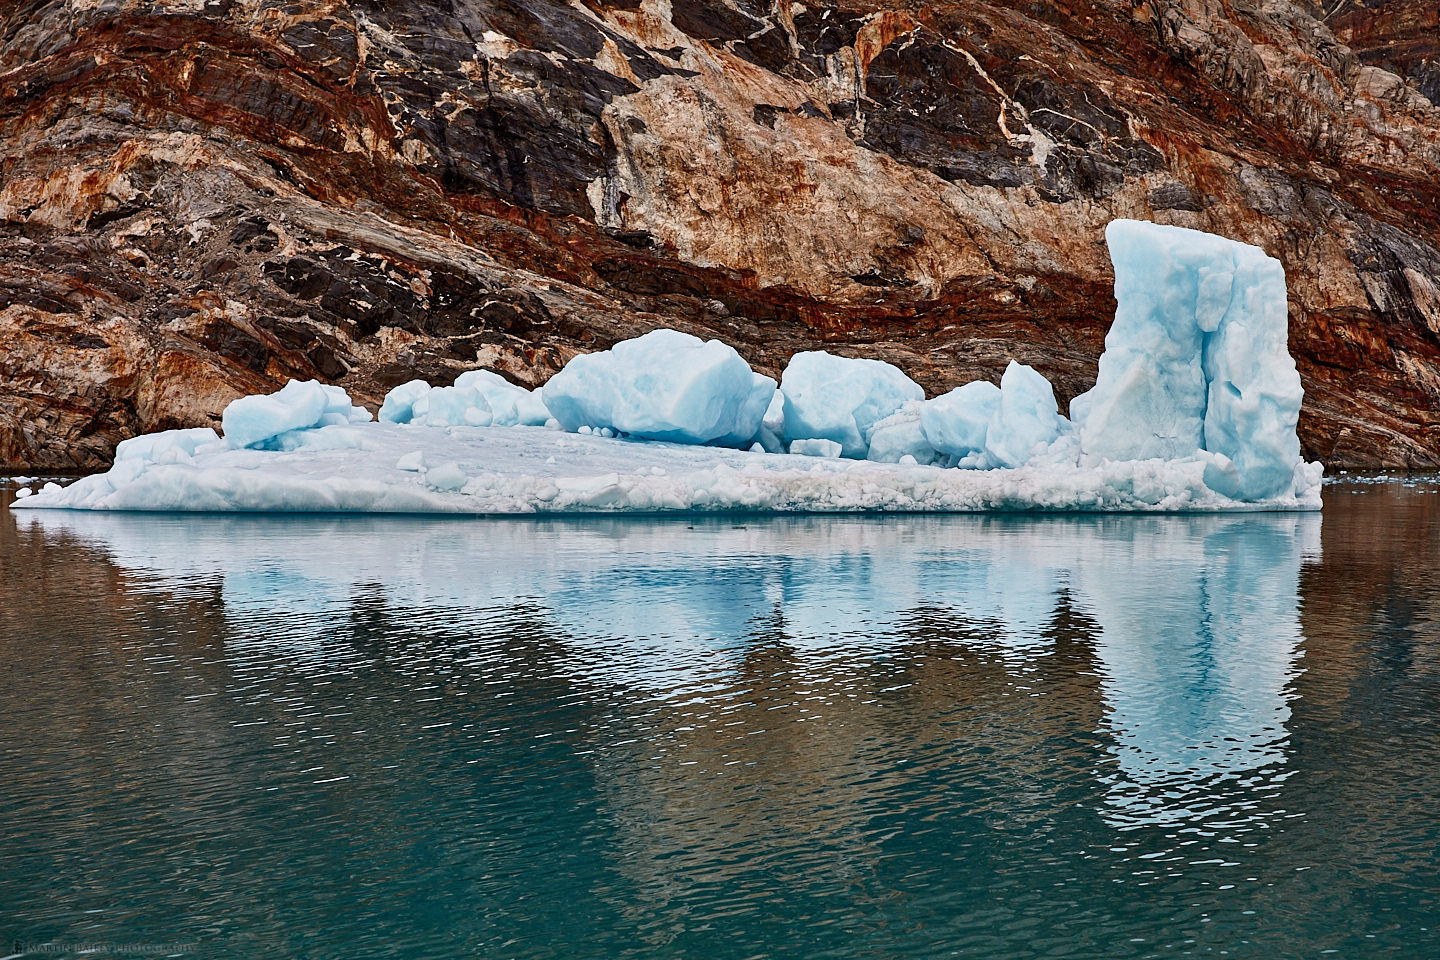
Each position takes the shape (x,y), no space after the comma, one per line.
(988,737)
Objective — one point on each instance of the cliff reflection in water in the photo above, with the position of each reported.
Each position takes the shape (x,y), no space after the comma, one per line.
(1177,638)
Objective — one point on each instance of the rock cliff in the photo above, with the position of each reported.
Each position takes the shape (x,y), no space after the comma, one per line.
(201,198)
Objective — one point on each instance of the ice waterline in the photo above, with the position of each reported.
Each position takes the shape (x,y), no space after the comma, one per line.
(1194,409)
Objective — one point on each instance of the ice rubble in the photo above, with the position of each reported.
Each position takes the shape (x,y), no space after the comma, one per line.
(1194,408)
(478,398)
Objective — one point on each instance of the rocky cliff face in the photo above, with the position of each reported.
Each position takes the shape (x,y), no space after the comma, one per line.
(201,199)
(1401,36)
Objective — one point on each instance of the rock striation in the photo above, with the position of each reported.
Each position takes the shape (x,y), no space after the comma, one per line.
(203,198)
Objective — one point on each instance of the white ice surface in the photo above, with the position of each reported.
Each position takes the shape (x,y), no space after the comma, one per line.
(514,470)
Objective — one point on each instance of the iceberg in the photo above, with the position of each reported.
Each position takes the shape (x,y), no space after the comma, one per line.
(510,405)
(665,385)
(452,407)
(534,470)
(957,422)
(841,398)
(400,403)
(299,405)
(1194,408)
(816,447)
(901,435)
(1026,417)
(982,426)
(477,398)
(167,446)
(1196,361)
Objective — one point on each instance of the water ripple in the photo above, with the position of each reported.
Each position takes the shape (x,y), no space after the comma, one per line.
(821,737)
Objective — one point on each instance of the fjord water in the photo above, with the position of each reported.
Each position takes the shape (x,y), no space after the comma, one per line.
(990,737)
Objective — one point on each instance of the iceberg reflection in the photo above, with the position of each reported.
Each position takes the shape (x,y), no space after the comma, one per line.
(1199,642)
(1191,622)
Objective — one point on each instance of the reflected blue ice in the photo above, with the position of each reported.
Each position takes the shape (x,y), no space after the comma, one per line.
(1199,638)
(1196,623)
(996,737)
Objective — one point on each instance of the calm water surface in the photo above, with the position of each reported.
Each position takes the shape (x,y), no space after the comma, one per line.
(988,737)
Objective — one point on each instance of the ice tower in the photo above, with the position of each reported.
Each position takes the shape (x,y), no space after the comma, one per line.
(1196,361)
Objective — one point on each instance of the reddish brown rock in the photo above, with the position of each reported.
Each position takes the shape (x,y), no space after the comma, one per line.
(1401,36)
(201,199)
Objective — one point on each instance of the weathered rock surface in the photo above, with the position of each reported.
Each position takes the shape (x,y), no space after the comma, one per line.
(1401,36)
(201,198)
